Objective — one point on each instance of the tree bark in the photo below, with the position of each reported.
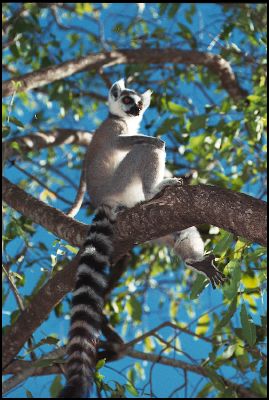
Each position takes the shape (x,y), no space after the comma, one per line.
(214,62)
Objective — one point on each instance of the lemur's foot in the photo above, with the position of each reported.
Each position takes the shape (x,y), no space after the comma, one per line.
(206,266)
(168,182)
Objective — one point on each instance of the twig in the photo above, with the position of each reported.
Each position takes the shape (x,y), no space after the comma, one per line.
(34,178)
(14,290)
(26,373)
(163,325)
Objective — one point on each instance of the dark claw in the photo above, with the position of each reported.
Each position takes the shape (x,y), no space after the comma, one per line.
(180,181)
(207,267)
(120,208)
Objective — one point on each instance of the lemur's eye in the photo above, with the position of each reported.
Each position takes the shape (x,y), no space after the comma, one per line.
(140,104)
(127,100)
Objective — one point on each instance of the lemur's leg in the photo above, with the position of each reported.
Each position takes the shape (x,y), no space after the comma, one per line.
(190,246)
(137,175)
(153,163)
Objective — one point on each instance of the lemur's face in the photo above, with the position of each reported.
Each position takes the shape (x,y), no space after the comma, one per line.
(126,102)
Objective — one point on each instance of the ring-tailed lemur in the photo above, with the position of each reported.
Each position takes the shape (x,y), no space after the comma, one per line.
(123,168)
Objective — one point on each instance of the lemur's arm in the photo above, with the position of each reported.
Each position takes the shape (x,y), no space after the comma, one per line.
(124,142)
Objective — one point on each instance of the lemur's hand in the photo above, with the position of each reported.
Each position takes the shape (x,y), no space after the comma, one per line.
(206,266)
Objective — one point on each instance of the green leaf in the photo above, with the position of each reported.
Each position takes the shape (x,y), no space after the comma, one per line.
(215,378)
(166,126)
(39,283)
(14,316)
(149,344)
(228,315)
(28,394)
(176,108)
(231,287)
(253,98)
(228,394)
(259,387)
(134,309)
(203,324)
(44,363)
(131,389)
(173,10)
(198,122)
(163,7)
(71,248)
(83,8)
(47,340)
(205,391)
(198,286)
(196,142)
(56,386)
(5,130)
(173,309)
(100,363)
(16,122)
(248,327)
(118,27)
(224,243)
(50,340)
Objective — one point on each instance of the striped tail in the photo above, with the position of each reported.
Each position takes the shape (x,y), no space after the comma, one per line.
(87,306)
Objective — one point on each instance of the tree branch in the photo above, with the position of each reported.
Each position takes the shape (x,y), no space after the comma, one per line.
(30,370)
(38,310)
(41,213)
(177,208)
(25,369)
(214,62)
(174,209)
(197,369)
(42,140)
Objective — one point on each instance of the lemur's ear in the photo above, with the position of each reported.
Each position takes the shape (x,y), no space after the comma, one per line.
(116,88)
(146,98)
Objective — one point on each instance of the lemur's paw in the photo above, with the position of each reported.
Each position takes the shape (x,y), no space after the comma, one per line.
(170,182)
(174,181)
(206,266)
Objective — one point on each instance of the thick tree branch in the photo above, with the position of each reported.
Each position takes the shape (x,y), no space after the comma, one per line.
(174,209)
(39,212)
(177,208)
(214,62)
(42,140)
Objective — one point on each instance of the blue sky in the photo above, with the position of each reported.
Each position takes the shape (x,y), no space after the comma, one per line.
(162,375)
